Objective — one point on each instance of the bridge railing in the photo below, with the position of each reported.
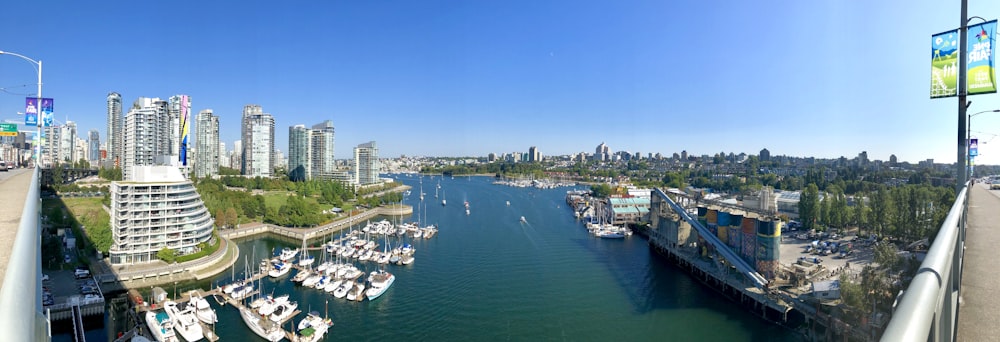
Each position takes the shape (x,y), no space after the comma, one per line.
(928,309)
(21,316)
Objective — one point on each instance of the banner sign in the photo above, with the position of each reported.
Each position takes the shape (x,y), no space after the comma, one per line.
(981,74)
(944,64)
(30,112)
(46,112)
(973,147)
(185,117)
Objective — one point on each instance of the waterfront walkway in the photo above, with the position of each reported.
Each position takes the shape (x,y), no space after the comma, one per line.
(979,308)
(14,187)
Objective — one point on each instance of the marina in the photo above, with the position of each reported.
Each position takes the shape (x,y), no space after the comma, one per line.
(492,276)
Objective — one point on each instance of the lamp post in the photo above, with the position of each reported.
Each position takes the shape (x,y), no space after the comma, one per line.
(38,104)
(968,136)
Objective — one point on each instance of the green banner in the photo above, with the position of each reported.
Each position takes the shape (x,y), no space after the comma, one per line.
(981,73)
(944,64)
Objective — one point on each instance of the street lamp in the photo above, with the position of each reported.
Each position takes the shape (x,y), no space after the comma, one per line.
(968,135)
(38,103)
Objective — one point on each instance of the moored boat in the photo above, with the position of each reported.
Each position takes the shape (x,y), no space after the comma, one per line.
(185,322)
(161,327)
(380,282)
(203,310)
(262,327)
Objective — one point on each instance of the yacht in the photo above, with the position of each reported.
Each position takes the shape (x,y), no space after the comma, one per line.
(271,303)
(160,326)
(279,269)
(313,327)
(357,292)
(264,328)
(242,291)
(341,290)
(288,254)
(203,310)
(302,275)
(406,260)
(380,282)
(306,260)
(185,322)
(283,311)
(331,287)
(312,280)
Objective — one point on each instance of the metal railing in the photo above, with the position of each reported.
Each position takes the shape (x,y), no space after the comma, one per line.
(21,316)
(928,309)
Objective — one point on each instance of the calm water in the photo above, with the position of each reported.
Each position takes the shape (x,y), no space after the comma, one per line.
(487,276)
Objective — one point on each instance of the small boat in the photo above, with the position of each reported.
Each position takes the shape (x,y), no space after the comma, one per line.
(302,275)
(466,212)
(279,269)
(242,291)
(306,260)
(406,260)
(508,203)
(288,254)
(262,327)
(312,280)
(185,322)
(283,311)
(380,282)
(161,326)
(203,310)
(523,220)
(341,290)
(357,292)
(313,327)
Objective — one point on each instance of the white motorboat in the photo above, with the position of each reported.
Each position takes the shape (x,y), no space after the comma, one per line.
(262,327)
(283,311)
(242,292)
(288,254)
(161,327)
(271,304)
(341,290)
(523,220)
(406,260)
(279,269)
(313,327)
(185,322)
(357,292)
(333,285)
(203,310)
(380,282)
(312,280)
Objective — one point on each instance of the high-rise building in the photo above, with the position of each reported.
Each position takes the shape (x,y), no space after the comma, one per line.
(207,141)
(145,137)
(94,146)
(68,144)
(765,155)
(179,113)
(236,155)
(223,160)
(310,151)
(113,136)
(321,150)
(258,142)
(157,208)
(51,145)
(366,164)
(299,152)
(534,155)
(602,152)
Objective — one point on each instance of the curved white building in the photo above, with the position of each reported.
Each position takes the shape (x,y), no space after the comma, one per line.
(157,208)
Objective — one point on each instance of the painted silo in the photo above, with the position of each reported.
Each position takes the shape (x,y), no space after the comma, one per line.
(748,239)
(768,247)
(735,221)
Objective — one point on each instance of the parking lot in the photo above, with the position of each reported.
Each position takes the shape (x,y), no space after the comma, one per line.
(62,285)
(793,247)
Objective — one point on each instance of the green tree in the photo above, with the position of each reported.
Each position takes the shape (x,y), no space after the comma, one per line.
(166,254)
(602,190)
(809,207)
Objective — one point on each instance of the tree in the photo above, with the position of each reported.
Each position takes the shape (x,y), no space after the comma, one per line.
(809,207)
(602,190)
(166,254)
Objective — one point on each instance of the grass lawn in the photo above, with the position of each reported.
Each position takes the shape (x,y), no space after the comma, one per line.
(276,199)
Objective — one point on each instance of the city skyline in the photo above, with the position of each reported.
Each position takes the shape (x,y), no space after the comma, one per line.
(825,79)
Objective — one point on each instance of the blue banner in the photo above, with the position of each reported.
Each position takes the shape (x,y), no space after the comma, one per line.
(980,72)
(30,111)
(46,112)
(973,147)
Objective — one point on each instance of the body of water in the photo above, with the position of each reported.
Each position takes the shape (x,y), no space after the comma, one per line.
(487,276)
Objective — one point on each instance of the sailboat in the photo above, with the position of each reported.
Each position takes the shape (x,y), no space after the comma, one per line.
(444,199)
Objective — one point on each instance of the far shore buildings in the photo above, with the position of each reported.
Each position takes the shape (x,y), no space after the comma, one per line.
(258,142)
(156,208)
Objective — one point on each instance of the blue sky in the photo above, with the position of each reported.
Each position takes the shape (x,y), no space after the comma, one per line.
(466,78)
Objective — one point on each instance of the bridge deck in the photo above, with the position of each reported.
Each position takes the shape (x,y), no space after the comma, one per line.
(13,189)
(980,303)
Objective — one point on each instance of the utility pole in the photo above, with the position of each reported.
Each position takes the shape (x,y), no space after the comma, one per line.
(963,144)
